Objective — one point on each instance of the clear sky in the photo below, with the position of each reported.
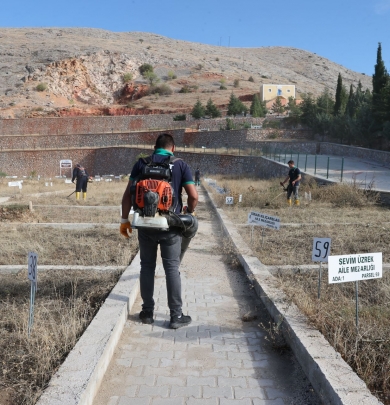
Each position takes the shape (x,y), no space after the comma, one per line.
(344,31)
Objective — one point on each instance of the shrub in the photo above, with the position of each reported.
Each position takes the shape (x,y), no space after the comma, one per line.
(264,76)
(222,87)
(217,59)
(251,79)
(146,67)
(162,90)
(127,77)
(2,174)
(236,83)
(188,89)
(41,87)
(171,75)
(179,117)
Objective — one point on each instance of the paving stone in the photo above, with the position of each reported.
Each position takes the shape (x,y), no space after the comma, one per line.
(168,401)
(216,372)
(113,400)
(240,393)
(134,401)
(194,391)
(161,381)
(197,381)
(232,382)
(225,401)
(259,382)
(161,354)
(218,392)
(255,363)
(145,362)
(146,391)
(141,380)
(131,391)
(202,401)
(225,348)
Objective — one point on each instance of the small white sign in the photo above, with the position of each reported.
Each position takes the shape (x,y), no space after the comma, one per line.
(321,250)
(65,164)
(32,267)
(268,221)
(240,198)
(229,200)
(364,266)
(15,184)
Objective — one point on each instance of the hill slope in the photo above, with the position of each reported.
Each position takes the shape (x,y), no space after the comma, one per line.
(84,69)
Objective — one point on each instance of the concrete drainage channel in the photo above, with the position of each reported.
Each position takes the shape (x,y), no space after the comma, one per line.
(78,379)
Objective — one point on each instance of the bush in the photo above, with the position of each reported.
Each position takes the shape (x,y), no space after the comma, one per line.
(222,87)
(251,79)
(179,117)
(41,87)
(127,77)
(236,83)
(217,59)
(162,90)
(146,67)
(188,89)
(171,75)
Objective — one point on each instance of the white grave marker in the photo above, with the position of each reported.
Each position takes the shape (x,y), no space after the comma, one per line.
(229,200)
(266,220)
(363,266)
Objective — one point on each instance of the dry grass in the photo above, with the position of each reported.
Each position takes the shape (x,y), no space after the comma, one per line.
(66,300)
(65,304)
(356,223)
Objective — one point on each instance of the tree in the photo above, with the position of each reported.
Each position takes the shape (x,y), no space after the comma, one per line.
(325,102)
(277,106)
(236,106)
(337,104)
(127,77)
(212,110)
(379,78)
(256,109)
(151,77)
(198,110)
(146,67)
(309,110)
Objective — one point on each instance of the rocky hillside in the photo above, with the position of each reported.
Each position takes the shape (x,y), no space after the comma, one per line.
(82,71)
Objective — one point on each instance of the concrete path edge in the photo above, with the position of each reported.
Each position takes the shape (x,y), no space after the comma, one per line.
(332,378)
(79,377)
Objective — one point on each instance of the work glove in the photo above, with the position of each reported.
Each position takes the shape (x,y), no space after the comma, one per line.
(185,211)
(125,228)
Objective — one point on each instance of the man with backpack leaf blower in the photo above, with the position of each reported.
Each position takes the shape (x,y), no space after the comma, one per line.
(294,177)
(154,191)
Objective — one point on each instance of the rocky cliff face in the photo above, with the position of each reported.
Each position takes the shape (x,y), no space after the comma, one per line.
(82,68)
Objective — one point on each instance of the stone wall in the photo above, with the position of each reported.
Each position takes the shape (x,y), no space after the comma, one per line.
(243,138)
(109,124)
(379,156)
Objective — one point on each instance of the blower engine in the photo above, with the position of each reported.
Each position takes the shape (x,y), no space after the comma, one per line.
(154,201)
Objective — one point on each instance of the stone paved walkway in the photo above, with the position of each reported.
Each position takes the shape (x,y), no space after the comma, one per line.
(219,359)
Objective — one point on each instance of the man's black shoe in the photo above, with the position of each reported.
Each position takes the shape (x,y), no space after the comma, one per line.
(179,321)
(146,317)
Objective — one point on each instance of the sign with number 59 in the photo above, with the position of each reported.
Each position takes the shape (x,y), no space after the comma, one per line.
(32,267)
(321,250)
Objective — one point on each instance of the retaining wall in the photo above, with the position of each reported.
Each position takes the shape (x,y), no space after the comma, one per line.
(106,124)
(379,156)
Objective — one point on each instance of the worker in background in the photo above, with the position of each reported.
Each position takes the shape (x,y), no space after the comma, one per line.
(197,177)
(81,176)
(294,177)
